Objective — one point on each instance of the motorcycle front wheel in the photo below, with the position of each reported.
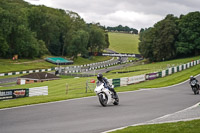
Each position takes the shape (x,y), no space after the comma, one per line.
(195,90)
(103,99)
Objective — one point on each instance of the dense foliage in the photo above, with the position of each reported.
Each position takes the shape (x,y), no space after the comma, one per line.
(121,28)
(32,31)
(171,37)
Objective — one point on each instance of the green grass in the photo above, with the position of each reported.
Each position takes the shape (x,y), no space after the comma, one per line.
(123,43)
(93,59)
(178,127)
(77,87)
(8,65)
(57,91)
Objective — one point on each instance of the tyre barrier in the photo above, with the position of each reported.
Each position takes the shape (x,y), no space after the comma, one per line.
(116,82)
(151,76)
(27,72)
(71,69)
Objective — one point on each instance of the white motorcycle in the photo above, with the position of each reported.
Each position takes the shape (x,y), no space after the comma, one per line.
(105,95)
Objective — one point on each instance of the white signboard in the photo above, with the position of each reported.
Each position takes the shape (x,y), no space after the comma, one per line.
(38,91)
(136,79)
(22,82)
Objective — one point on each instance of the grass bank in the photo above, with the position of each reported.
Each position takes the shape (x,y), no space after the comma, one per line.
(179,127)
(123,43)
(8,65)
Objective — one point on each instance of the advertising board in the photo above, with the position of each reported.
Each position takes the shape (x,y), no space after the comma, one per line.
(151,76)
(12,94)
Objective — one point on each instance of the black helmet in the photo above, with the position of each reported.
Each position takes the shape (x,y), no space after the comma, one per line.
(100,77)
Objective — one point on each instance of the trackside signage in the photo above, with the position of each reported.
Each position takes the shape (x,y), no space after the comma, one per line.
(151,76)
(12,94)
(136,79)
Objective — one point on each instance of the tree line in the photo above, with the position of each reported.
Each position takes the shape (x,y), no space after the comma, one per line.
(121,28)
(33,31)
(172,37)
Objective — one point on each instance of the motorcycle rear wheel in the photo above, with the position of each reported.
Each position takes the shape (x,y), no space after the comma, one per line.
(116,102)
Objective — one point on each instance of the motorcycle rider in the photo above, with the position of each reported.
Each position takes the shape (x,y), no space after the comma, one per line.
(106,84)
(193,78)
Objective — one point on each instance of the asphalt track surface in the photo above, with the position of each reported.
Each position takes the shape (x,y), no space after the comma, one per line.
(86,115)
(8,80)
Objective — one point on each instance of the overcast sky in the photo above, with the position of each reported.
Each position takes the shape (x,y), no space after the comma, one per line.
(133,13)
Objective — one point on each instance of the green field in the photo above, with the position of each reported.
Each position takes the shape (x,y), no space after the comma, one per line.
(8,65)
(123,43)
(120,42)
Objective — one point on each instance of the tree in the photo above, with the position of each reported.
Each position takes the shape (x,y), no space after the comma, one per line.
(4,47)
(188,43)
(16,34)
(146,43)
(121,28)
(166,32)
(79,43)
(141,30)
(158,43)
(107,40)
(97,39)
(32,31)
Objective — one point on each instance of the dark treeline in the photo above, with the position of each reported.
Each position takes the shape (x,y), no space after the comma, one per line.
(171,38)
(121,28)
(32,31)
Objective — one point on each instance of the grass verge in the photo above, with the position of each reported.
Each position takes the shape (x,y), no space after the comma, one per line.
(178,127)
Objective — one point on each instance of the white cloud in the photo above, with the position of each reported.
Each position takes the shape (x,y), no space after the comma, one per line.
(133,13)
(41,2)
(125,18)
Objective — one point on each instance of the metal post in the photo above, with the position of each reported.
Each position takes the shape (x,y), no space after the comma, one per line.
(67,88)
(86,86)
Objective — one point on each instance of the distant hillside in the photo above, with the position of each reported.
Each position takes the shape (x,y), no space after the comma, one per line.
(123,43)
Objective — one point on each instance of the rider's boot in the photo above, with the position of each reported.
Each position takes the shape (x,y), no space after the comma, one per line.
(114,95)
